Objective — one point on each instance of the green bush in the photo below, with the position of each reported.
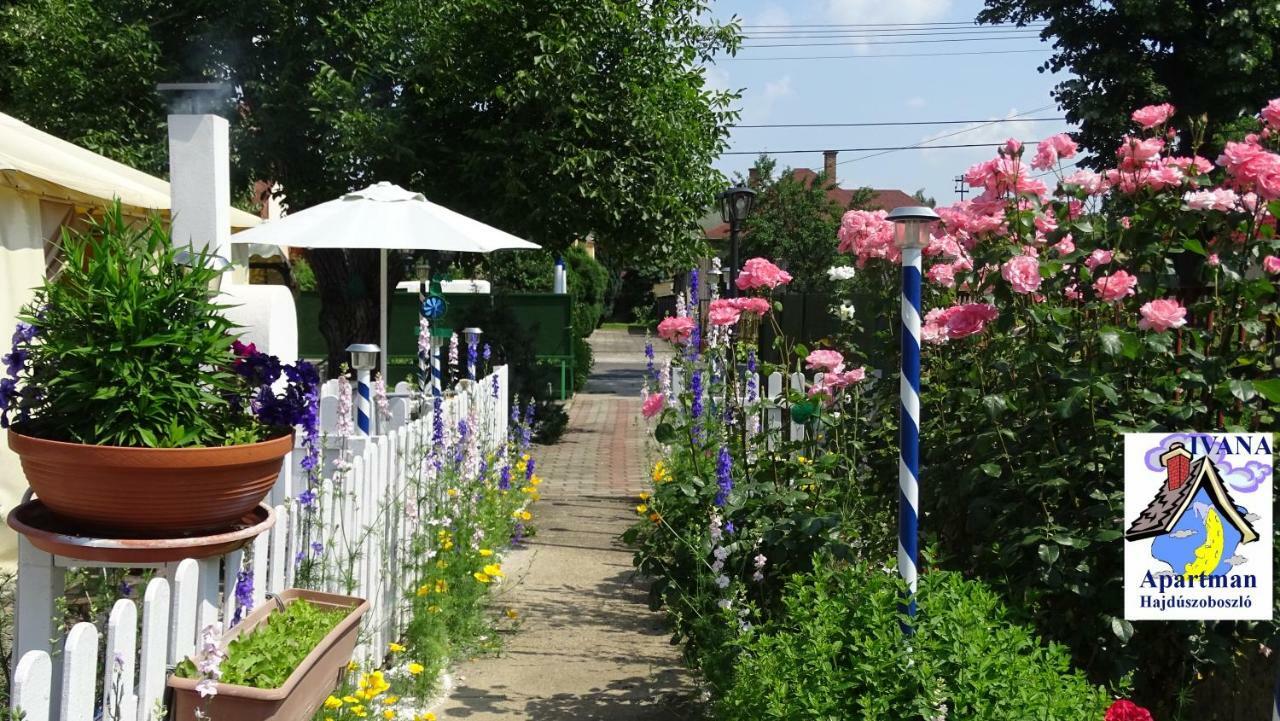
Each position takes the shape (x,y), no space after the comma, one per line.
(838,653)
(583,361)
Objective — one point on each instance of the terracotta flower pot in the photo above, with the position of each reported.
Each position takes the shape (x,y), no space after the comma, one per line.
(305,689)
(150,492)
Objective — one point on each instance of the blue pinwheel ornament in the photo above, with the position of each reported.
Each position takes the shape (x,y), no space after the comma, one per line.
(433,306)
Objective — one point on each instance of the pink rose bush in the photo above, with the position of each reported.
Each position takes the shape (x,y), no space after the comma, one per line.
(1153,115)
(676,329)
(758,273)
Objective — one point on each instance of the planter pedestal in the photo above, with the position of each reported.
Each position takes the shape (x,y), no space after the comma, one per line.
(47,547)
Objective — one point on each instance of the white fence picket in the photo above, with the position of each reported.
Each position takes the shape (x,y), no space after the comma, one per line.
(118,669)
(79,672)
(185,611)
(32,687)
(154,657)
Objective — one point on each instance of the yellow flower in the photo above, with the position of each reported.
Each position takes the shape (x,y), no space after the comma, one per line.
(481,577)
(394,647)
(660,473)
(528,489)
(442,563)
(416,668)
(486,552)
(361,696)
(332,703)
(644,496)
(535,480)
(388,714)
(350,699)
(433,609)
(642,509)
(524,515)
(525,458)
(452,492)
(428,716)
(390,700)
(373,684)
(352,665)
(442,586)
(358,711)
(494,570)
(511,614)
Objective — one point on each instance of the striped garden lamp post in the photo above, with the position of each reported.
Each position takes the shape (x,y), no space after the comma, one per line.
(910,236)
(364,358)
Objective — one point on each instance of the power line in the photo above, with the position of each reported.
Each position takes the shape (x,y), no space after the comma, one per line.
(888,123)
(889,55)
(925,143)
(858,150)
(819,34)
(966,23)
(896,42)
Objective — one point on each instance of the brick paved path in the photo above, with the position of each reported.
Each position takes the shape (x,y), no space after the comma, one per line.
(588,647)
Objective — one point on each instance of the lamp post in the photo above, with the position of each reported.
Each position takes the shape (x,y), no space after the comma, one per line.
(472,336)
(910,237)
(364,358)
(736,203)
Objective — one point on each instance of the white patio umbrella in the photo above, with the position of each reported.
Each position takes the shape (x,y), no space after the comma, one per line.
(386,217)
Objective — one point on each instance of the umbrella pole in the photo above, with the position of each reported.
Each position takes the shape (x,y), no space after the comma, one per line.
(382,316)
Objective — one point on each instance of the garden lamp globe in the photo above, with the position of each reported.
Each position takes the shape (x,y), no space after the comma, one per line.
(364,356)
(911,223)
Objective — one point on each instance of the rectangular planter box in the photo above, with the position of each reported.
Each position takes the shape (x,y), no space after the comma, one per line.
(305,689)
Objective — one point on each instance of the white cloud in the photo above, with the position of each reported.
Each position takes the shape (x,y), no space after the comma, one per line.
(769,15)
(916,102)
(715,77)
(887,11)
(985,132)
(758,106)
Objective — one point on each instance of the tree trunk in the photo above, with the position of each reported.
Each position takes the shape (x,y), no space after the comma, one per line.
(348,284)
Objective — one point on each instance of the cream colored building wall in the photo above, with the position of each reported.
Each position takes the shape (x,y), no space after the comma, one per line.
(22,264)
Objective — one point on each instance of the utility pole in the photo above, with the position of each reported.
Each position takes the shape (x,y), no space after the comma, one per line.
(961,189)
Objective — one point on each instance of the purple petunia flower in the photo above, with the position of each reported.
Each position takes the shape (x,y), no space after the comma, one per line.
(244,595)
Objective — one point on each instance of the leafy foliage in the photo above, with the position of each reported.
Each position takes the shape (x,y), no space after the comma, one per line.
(1213,60)
(266,656)
(837,651)
(130,350)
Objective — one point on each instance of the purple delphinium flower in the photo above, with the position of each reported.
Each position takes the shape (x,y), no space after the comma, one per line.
(517,533)
(528,469)
(126,588)
(729,527)
(695,406)
(472,352)
(437,420)
(317,548)
(307,499)
(752,381)
(244,595)
(724,476)
(504,478)
(650,370)
(15,362)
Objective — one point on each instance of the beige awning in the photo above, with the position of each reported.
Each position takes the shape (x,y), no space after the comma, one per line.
(39,163)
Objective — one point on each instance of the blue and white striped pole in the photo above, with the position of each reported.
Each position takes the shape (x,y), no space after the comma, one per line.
(437,382)
(910,237)
(364,358)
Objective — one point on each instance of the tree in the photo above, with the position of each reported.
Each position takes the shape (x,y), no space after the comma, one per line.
(551,119)
(795,222)
(923,199)
(1210,58)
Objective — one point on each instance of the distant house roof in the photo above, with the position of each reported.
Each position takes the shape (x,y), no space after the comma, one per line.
(882,199)
(1170,504)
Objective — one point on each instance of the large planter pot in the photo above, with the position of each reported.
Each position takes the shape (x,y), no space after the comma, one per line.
(305,689)
(150,492)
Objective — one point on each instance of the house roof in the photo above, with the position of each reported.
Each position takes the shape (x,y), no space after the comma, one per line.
(47,166)
(882,199)
(1168,506)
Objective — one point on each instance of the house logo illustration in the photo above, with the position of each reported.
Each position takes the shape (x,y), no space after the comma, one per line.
(1198,546)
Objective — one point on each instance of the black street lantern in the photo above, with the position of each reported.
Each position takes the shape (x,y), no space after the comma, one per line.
(735,207)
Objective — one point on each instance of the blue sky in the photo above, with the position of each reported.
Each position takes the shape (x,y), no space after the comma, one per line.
(866,89)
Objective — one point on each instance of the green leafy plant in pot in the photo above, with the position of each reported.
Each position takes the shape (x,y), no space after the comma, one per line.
(131,404)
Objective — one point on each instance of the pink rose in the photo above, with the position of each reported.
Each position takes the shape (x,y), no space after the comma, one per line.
(1135,153)
(1097,257)
(844,379)
(760,273)
(934,329)
(1052,149)
(1065,246)
(723,312)
(968,319)
(1088,181)
(943,274)
(1013,147)
(1213,260)
(1126,710)
(1271,264)
(825,360)
(1126,222)
(1023,273)
(1214,199)
(676,329)
(1271,114)
(1072,292)
(1046,223)
(1115,287)
(751,304)
(1153,115)
(1162,314)
(652,406)
(867,235)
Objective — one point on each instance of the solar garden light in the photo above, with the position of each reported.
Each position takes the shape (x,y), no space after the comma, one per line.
(736,203)
(910,236)
(364,358)
(473,343)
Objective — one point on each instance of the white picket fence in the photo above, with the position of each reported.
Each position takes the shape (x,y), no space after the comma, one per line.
(361,520)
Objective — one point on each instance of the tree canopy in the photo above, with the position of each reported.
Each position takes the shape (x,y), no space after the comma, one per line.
(1213,59)
(551,119)
(795,222)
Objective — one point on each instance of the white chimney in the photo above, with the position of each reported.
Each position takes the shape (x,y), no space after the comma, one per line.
(199,168)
